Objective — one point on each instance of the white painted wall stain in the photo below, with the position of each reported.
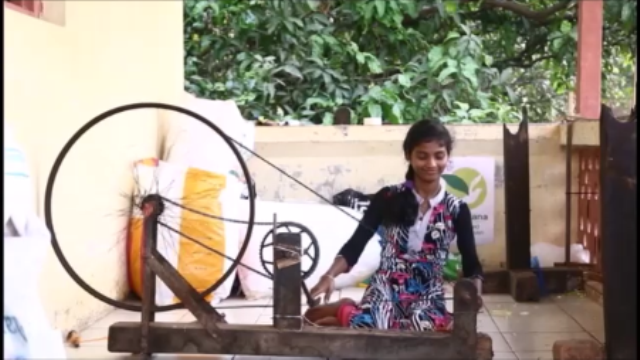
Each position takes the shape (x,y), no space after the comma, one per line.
(332,159)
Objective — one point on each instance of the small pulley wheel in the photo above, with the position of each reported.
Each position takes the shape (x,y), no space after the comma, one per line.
(311,250)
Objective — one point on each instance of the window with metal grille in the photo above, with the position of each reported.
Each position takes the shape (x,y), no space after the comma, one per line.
(30,7)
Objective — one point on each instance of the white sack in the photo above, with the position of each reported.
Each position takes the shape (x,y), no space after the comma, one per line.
(549,254)
(19,197)
(331,227)
(27,332)
(191,143)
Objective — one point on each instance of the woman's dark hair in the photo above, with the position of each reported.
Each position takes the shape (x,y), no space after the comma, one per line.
(403,207)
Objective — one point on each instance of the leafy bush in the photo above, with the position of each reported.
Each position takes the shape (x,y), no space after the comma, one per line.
(460,61)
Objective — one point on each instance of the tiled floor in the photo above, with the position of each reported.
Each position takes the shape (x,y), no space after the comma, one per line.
(519,331)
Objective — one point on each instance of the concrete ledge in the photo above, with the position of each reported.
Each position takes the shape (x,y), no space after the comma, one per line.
(349,133)
(585,133)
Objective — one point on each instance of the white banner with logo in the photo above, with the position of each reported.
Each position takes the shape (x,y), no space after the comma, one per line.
(472,179)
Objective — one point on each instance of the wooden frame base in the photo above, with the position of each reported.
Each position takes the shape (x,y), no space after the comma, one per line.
(288,336)
(264,340)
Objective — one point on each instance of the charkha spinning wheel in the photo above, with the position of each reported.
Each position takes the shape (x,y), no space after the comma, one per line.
(160,204)
(289,335)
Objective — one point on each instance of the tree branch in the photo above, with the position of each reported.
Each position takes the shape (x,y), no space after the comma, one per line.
(532,62)
(515,7)
(524,11)
(530,48)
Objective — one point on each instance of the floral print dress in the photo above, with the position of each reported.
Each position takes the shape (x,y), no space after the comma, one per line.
(407,290)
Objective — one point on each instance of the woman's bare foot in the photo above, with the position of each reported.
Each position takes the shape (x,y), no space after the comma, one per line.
(328,321)
(320,312)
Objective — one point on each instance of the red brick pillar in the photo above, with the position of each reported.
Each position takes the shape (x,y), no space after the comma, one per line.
(589,84)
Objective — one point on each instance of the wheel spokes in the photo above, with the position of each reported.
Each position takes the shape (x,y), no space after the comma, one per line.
(310,251)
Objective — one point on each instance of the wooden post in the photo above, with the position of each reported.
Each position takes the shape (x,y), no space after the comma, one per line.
(156,265)
(287,279)
(589,84)
(150,234)
(465,316)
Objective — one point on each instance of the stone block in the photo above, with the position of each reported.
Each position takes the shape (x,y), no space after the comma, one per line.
(578,350)
(561,280)
(495,282)
(524,286)
(484,349)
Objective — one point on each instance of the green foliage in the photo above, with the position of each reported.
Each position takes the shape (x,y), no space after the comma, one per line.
(460,61)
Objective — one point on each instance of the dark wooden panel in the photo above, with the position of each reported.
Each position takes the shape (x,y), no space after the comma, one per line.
(619,223)
(516,194)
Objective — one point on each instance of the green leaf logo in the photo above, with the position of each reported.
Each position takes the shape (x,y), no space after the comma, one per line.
(456,183)
(467,184)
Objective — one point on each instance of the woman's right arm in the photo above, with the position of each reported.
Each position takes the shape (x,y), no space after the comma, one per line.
(353,248)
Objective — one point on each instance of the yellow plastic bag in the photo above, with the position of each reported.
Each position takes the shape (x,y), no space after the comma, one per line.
(200,191)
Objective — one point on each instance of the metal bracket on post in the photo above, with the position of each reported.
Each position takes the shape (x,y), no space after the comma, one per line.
(567,196)
(287,276)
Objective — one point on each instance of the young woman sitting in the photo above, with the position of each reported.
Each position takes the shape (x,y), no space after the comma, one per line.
(419,219)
